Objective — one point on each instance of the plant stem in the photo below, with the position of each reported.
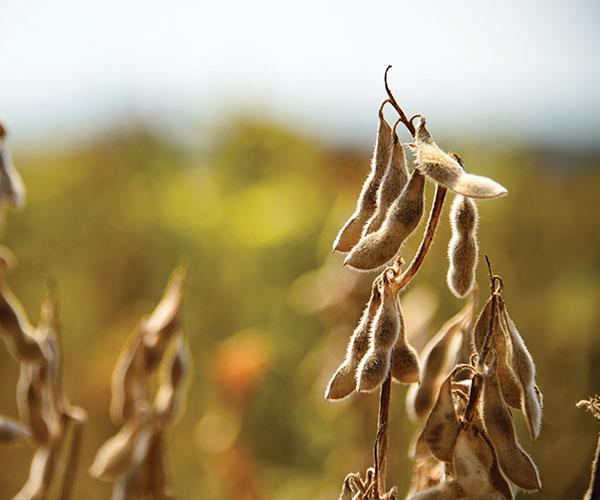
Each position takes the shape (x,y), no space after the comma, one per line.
(77,416)
(381,441)
(432,224)
(407,123)
(593,492)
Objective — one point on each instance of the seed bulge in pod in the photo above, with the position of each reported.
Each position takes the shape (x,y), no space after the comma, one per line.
(511,389)
(448,490)
(375,364)
(463,250)
(441,429)
(350,233)
(405,361)
(394,181)
(497,419)
(446,170)
(482,326)
(403,216)
(343,382)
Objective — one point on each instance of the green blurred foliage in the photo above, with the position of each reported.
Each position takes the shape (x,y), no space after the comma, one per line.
(268,309)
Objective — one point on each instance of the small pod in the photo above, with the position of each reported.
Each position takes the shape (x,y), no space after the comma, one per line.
(31,402)
(511,389)
(497,419)
(127,380)
(405,360)
(481,328)
(375,364)
(392,184)
(434,362)
(41,472)
(116,455)
(463,249)
(442,427)
(366,205)
(168,397)
(343,382)
(404,215)
(447,170)
(12,189)
(524,369)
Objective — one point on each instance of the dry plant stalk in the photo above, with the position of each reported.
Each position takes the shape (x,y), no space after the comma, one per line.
(470,371)
(593,406)
(47,417)
(133,459)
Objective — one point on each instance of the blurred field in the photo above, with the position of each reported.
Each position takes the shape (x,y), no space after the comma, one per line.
(268,309)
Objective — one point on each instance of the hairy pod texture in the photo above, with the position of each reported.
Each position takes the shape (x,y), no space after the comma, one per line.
(343,382)
(442,427)
(403,216)
(435,358)
(524,369)
(462,250)
(366,205)
(447,490)
(385,330)
(446,170)
(513,461)
(392,184)
(405,360)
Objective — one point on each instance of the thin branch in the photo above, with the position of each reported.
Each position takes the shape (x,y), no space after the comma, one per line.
(407,123)
(593,492)
(381,441)
(78,417)
(432,224)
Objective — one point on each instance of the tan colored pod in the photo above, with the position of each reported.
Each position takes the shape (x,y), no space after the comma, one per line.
(446,170)
(12,189)
(392,184)
(442,428)
(435,357)
(481,328)
(164,322)
(18,332)
(366,205)
(385,329)
(511,389)
(418,449)
(524,369)
(513,461)
(11,430)
(41,472)
(448,490)
(405,360)
(403,216)
(168,397)
(127,380)
(473,463)
(343,382)
(462,250)
(32,403)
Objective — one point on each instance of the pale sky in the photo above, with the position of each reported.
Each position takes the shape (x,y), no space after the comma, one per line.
(509,69)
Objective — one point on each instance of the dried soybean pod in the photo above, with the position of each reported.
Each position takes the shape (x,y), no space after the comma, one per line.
(366,205)
(463,250)
(30,402)
(442,428)
(511,389)
(405,360)
(127,380)
(164,322)
(168,397)
(343,382)
(522,364)
(41,472)
(446,170)
(434,359)
(11,431)
(377,248)
(448,490)
(472,461)
(497,419)
(481,328)
(392,184)
(12,189)
(115,456)
(385,329)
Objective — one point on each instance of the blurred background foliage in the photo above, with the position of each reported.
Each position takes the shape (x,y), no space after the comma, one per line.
(268,309)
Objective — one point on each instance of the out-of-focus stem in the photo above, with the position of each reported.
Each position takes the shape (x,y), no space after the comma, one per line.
(381,441)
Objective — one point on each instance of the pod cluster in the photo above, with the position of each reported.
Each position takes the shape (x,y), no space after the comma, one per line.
(377,347)
(133,459)
(470,429)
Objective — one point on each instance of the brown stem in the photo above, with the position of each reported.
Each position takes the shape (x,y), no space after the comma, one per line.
(432,224)
(381,441)
(407,123)
(593,492)
(78,418)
